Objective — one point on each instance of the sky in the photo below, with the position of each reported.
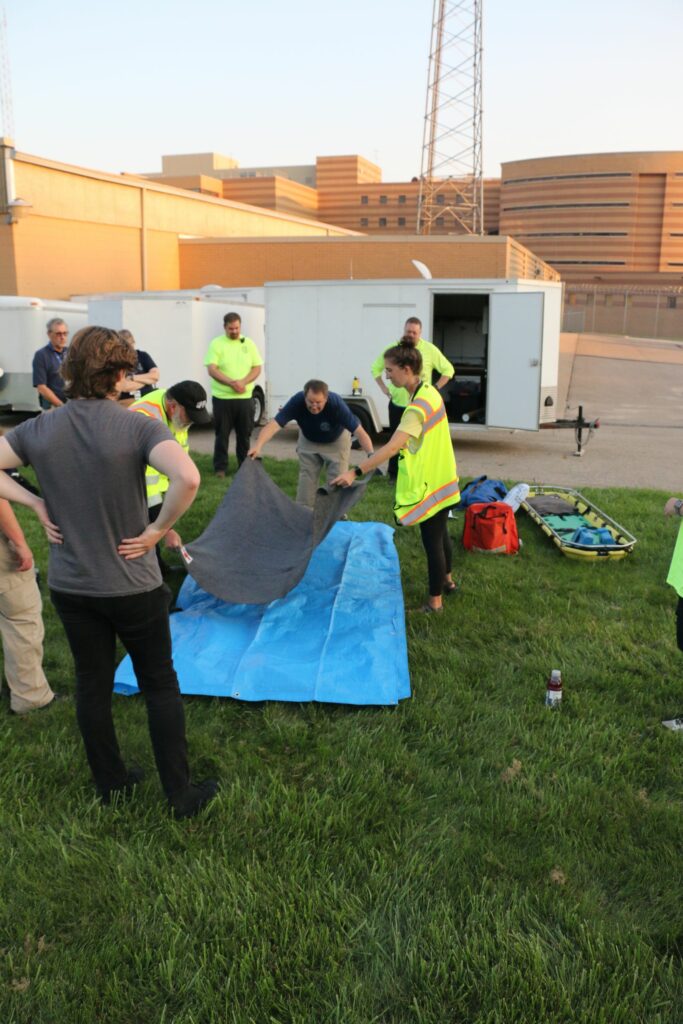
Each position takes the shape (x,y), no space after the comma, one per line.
(115,86)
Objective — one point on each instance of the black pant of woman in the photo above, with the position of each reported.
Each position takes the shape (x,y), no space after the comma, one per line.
(439,548)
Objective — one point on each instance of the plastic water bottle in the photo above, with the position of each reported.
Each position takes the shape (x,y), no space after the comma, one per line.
(356,389)
(553,693)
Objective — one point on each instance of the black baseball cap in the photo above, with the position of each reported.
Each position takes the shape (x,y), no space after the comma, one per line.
(192,397)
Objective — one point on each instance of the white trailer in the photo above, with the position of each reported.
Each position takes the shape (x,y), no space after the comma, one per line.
(176,328)
(23,323)
(502,336)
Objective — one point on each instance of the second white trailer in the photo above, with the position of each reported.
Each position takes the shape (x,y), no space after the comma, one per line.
(176,330)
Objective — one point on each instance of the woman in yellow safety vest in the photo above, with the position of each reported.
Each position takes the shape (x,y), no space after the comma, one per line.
(427,484)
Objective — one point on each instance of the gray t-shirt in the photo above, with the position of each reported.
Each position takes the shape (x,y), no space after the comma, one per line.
(90,457)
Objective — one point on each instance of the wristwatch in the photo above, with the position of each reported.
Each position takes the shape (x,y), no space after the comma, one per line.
(359,472)
(678,505)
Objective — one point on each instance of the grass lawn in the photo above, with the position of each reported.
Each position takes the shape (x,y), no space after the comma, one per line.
(468,856)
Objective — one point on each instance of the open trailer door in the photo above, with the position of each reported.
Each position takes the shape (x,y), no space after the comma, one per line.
(514,360)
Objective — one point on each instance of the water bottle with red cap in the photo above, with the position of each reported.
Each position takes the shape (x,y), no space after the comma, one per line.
(553,693)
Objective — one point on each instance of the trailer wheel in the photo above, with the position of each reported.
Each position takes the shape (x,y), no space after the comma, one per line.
(365,421)
(258,405)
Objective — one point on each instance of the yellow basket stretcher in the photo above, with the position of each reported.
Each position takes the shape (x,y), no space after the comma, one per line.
(560,527)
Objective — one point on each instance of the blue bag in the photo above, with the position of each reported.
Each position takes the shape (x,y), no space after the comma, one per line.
(481,490)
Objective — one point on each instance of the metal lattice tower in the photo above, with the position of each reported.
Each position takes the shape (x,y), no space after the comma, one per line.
(451,185)
(5,81)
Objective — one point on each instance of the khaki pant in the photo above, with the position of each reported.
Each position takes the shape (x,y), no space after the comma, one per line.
(313,456)
(21,628)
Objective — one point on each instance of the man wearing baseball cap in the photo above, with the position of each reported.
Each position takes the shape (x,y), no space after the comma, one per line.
(178,408)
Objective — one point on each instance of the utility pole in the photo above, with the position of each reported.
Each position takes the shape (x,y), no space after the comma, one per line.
(451,182)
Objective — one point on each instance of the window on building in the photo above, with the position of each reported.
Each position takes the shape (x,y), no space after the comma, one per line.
(671,302)
(440,221)
(383,200)
(364,222)
(565,206)
(383,222)
(364,200)
(440,199)
(401,200)
(401,222)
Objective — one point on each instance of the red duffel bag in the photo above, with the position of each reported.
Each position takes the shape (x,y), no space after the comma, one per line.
(491,529)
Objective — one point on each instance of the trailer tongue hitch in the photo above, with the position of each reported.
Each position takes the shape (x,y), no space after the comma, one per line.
(579,425)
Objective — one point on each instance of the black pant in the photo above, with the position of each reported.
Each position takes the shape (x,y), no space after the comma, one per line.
(141,622)
(437,543)
(395,413)
(231,414)
(679,623)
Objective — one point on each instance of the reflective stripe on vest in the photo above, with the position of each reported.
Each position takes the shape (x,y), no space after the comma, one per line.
(432,416)
(436,498)
(431,470)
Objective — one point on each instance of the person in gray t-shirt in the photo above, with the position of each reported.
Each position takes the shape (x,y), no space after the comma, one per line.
(90,457)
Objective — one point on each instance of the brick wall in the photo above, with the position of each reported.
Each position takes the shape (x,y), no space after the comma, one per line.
(233,262)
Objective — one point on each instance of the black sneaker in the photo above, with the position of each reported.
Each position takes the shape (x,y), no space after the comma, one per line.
(197,795)
(122,792)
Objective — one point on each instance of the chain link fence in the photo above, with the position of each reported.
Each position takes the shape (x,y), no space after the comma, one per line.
(632,311)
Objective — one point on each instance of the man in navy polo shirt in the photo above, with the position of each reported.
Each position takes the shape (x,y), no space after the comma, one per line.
(47,364)
(325,427)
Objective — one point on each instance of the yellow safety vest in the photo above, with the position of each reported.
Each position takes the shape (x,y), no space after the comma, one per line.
(152,405)
(675,577)
(427,477)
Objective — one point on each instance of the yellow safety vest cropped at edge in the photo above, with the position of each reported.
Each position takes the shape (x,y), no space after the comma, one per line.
(152,405)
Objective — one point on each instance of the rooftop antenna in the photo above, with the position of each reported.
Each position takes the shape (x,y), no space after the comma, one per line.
(451,182)
(5,81)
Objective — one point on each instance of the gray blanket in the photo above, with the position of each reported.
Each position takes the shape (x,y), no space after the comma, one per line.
(259,543)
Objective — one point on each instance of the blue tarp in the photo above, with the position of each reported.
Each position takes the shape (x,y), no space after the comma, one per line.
(338,636)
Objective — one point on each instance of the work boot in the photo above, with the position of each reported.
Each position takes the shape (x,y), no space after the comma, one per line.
(196,796)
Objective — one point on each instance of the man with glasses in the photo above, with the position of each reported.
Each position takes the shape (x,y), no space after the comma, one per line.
(47,364)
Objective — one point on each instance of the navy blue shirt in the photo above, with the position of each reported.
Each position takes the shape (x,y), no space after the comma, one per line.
(323,427)
(47,363)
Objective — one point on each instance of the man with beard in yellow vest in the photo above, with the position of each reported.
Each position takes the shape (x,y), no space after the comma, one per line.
(178,408)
